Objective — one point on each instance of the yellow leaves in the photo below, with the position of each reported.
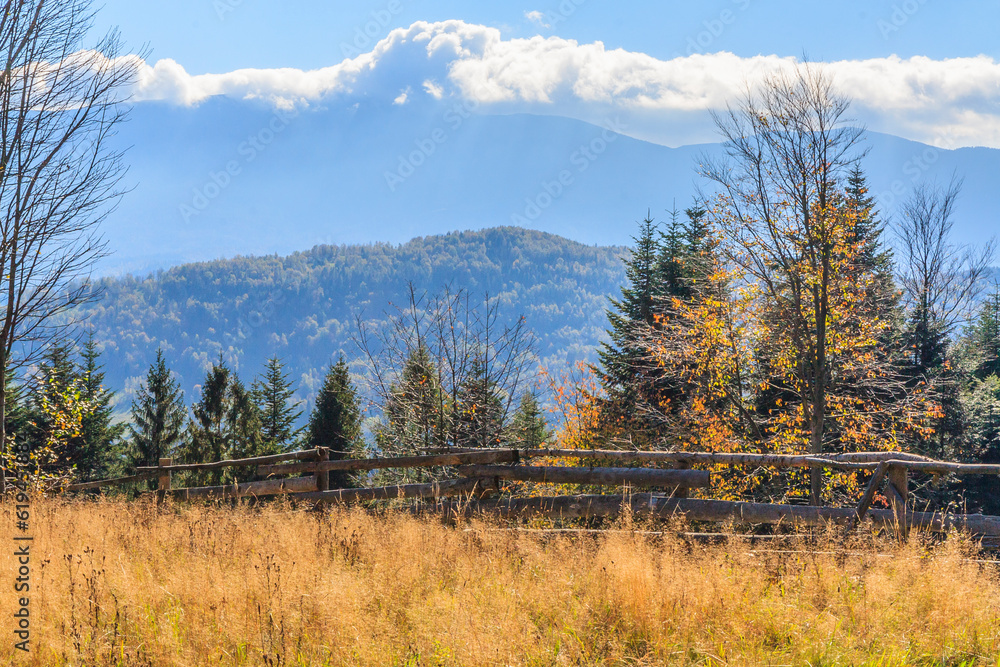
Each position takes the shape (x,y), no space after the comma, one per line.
(576,396)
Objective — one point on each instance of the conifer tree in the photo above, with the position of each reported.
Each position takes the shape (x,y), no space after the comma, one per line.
(675,264)
(158,416)
(528,428)
(413,419)
(16,416)
(335,421)
(244,433)
(618,357)
(100,435)
(984,338)
(977,418)
(225,424)
(479,411)
(278,412)
(623,358)
(867,231)
(206,439)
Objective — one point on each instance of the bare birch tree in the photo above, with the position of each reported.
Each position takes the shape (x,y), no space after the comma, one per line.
(941,281)
(59,174)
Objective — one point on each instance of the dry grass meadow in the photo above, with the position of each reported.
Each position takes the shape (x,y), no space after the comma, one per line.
(117,583)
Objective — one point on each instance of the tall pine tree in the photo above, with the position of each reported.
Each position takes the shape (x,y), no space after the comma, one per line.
(54,399)
(335,421)
(623,358)
(663,266)
(158,416)
(225,424)
(414,416)
(278,412)
(101,436)
(478,413)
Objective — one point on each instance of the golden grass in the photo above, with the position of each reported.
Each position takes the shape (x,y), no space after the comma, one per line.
(119,583)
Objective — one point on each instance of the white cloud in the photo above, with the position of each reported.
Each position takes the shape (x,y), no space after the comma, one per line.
(537,17)
(949,103)
(401,99)
(433,89)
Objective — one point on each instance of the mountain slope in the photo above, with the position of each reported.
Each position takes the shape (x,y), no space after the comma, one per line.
(227,178)
(302,307)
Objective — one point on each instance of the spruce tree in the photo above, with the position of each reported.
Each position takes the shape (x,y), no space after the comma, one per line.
(206,440)
(663,266)
(335,421)
(528,428)
(618,356)
(977,362)
(984,338)
(225,424)
(278,412)
(16,416)
(413,419)
(100,435)
(623,357)
(874,261)
(243,425)
(478,417)
(158,416)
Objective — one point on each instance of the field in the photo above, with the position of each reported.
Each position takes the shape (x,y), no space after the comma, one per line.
(116,583)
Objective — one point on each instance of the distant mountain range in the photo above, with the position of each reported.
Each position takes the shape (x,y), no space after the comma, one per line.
(302,307)
(229,178)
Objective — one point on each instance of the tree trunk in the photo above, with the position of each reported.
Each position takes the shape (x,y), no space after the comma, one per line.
(3,422)
(816,448)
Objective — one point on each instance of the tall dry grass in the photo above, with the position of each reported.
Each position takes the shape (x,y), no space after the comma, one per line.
(119,583)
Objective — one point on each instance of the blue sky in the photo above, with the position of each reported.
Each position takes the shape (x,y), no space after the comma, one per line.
(223,35)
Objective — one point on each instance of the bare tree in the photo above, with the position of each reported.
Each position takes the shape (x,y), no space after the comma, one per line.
(941,281)
(59,174)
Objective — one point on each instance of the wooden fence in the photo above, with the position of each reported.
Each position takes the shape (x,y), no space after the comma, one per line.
(481,473)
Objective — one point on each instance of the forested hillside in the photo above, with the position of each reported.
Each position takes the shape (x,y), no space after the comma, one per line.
(302,307)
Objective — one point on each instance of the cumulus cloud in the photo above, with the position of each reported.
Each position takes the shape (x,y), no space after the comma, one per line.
(949,102)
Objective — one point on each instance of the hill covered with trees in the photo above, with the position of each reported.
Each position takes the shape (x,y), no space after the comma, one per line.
(304,307)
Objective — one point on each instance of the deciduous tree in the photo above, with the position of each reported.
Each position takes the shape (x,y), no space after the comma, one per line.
(59,173)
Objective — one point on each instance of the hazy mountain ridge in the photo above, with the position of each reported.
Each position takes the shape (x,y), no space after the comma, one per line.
(302,307)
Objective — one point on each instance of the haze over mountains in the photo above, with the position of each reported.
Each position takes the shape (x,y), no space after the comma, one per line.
(228,177)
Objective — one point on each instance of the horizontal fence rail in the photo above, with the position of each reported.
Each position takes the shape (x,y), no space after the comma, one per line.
(428,461)
(234,463)
(453,487)
(138,477)
(643,477)
(719,511)
(852,461)
(267,487)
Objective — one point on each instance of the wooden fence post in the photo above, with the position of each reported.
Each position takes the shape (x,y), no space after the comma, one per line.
(164,480)
(897,487)
(681,491)
(323,476)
